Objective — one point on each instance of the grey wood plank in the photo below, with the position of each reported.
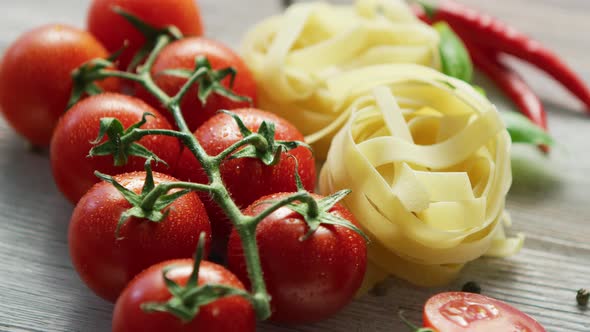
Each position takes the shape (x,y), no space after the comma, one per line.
(549,200)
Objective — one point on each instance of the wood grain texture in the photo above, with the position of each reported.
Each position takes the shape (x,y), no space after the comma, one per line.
(549,200)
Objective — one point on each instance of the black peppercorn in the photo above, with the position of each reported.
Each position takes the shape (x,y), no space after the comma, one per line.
(471,287)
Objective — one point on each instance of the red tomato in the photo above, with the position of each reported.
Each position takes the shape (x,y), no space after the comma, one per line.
(246,179)
(106,264)
(35,77)
(112,29)
(182,54)
(73,171)
(307,280)
(230,314)
(457,312)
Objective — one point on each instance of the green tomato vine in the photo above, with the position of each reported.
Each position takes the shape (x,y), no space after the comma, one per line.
(121,143)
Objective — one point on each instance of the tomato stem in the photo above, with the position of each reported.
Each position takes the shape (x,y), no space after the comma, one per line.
(234,147)
(189,83)
(150,199)
(218,191)
(260,297)
(186,300)
(412,325)
(262,142)
(302,196)
(161,42)
(103,73)
(137,134)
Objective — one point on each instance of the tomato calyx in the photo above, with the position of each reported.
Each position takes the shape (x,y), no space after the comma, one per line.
(316,211)
(260,145)
(319,213)
(85,76)
(187,300)
(151,34)
(153,200)
(121,142)
(412,325)
(209,81)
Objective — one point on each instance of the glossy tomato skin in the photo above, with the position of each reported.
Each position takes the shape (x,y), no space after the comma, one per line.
(182,54)
(307,280)
(246,179)
(113,30)
(468,312)
(231,314)
(73,171)
(106,264)
(35,77)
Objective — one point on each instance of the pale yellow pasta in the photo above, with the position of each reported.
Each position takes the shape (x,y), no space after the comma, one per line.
(428,161)
(293,57)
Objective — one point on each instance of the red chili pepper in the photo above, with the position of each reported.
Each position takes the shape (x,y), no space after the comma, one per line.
(493,34)
(512,84)
(418,10)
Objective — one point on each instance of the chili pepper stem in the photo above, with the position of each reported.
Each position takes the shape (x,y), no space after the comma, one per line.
(429,7)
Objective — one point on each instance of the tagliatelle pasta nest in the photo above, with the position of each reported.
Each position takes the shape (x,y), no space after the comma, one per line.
(293,55)
(428,160)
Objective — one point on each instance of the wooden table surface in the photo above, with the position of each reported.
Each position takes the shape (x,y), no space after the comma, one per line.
(549,200)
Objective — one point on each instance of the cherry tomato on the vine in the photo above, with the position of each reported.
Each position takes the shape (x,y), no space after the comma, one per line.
(181,55)
(308,280)
(73,171)
(247,179)
(229,314)
(35,77)
(113,30)
(469,312)
(105,262)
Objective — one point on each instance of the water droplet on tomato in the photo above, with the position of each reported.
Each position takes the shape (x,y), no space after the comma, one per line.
(463,312)
(519,328)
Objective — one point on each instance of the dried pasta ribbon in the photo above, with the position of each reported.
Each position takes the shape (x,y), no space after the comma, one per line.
(428,161)
(294,55)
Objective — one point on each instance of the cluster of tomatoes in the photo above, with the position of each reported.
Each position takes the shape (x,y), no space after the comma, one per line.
(143,263)
(307,280)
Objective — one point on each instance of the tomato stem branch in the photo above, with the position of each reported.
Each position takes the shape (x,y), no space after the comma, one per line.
(412,325)
(150,199)
(103,73)
(221,196)
(301,196)
(137,134)
(245,225)
(260,298)
(189,83)
(254,140)
(161,42)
